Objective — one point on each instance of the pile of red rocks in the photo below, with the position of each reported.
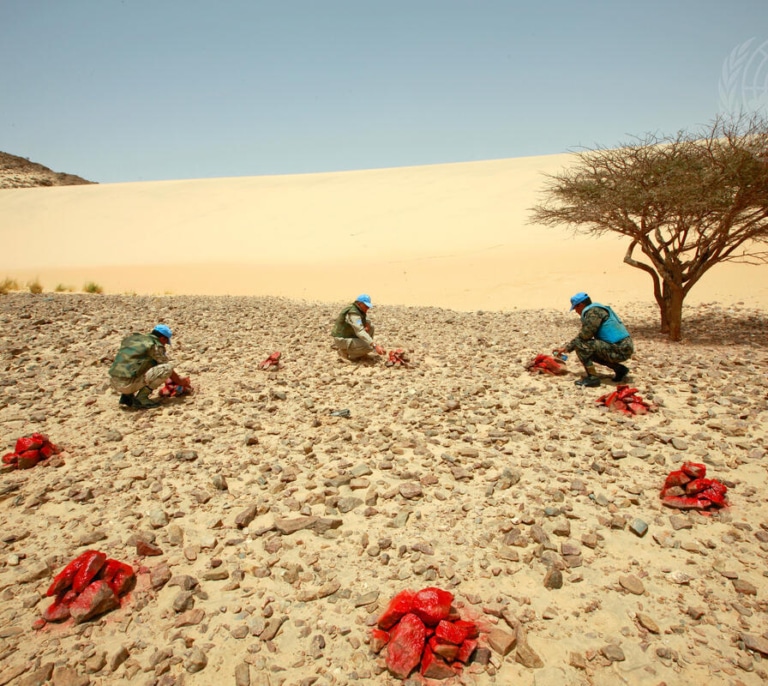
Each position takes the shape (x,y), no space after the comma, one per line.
(272,362)
(90,585)
(422,628)
(625,400)
(397,358)
(688,489)
(173,390)
(546,364)
(30,450)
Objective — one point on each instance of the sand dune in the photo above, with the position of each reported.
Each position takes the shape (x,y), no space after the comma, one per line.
(452,235)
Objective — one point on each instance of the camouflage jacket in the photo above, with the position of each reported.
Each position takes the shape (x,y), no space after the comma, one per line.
(351,324)
(138,352)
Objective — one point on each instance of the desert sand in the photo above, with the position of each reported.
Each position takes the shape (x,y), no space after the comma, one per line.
(463,472)
(283,530)
(454,235)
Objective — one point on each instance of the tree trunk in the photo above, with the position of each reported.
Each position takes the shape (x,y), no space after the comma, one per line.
(672,311)
(661,301)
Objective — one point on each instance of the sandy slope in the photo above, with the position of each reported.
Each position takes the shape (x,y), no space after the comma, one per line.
(446,235)
(464,472)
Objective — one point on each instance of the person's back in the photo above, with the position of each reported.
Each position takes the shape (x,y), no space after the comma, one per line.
(133,357)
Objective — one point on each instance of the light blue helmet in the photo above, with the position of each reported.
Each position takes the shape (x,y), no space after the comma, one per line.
(163,330)
(365,300)
(578,299)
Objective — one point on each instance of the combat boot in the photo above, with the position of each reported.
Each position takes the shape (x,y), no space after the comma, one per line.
(620,372)
(142,402)
(589,381)
(126,399)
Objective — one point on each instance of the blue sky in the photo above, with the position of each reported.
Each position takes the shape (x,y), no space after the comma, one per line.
(130,90)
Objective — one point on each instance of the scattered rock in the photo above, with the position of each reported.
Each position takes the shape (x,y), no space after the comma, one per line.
(632,584)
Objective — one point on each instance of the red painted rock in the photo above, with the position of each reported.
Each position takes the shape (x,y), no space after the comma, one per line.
(686,502)
(58,610)
(406,644)
(470,628)
(450,632)
(93,561)
(379,639)
(465,650)
(431,605)
(434,667)
(28,459)
(695,470)
(447,651)
(33,442)
(398,607)
(676,478)
(96,599)
(120,576)
(697,486)
(63,580)
(716,494)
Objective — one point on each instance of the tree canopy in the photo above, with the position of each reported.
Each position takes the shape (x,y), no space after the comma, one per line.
(686,202)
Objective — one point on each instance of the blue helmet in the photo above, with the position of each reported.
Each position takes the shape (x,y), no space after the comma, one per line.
(365,300)
(578,299)
(163,330)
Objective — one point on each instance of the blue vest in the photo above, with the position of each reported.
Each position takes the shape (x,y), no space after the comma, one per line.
(611,330)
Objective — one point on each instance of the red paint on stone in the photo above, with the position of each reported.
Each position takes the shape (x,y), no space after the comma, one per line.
(398,607)
(466,649)
(406,644)
(93,561)
(95,600)
(434,667)
(450,632)
(431,605)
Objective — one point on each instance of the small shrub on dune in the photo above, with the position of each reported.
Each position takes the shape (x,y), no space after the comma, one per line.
(35,286)
(7,285)
(93,287)
(61,288)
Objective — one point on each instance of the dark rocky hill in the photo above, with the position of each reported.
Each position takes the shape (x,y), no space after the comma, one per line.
(19,172)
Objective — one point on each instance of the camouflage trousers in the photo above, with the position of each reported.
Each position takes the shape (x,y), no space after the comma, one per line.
(608,354)
(353,348)
(154,377)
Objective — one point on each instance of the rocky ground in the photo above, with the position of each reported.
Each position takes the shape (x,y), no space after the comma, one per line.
(284,530)
(19,172)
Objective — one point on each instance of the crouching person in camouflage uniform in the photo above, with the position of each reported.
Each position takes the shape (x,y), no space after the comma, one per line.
(141,366)
(352,334)
(603,338)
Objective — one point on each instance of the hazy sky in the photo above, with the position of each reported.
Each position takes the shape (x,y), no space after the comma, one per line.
(128,90)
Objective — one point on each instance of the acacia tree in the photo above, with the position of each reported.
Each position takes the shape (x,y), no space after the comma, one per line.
(686,202)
